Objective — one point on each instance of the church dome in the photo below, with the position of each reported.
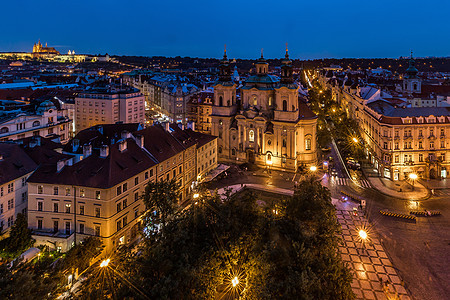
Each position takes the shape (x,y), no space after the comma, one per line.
(45,106)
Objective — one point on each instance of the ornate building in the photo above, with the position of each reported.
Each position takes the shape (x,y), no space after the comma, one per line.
(269,125)
(39,50)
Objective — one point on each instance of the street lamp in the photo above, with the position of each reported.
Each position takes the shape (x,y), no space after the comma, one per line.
(355,140)
(413,177)
(104,263)
(313,168)
(235,281)
(363,234)
(196,195)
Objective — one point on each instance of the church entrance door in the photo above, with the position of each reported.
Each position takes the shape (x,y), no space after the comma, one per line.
(250,156)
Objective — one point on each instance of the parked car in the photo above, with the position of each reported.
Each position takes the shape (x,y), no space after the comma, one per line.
(333,172)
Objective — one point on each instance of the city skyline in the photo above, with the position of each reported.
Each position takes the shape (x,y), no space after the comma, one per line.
(352,30)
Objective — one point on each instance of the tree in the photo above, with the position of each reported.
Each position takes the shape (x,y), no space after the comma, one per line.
(80,256)
(162,196)
(20,236)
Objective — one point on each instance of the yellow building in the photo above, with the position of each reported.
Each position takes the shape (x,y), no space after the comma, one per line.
(96,190)
(270,125)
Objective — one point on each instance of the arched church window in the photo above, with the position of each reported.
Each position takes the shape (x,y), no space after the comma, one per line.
(4,130)
(415,86)
(270,100)
(255,101)
(308,142)
(220,101)
(36,123)
(284,105)
(251,136)
(233,151)
(269,157)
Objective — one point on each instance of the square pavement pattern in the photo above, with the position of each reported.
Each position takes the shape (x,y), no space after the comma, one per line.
(374,277)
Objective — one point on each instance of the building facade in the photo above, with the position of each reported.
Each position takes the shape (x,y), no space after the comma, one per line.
(46,121)
(15,167)
(270,126)
(96,190)
(108,107)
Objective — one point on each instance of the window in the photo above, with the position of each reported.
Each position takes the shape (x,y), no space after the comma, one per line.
(396,146)
(68,208)
(283,158)
(136,196)
(97,230)
(146,175)
(40,206)
(1,192)
(10,221)
(255,101)
(385,145)
(55,207)
(24,197)
(24,181)
(10,187)
(125,187)
(82,193)
(1,208)
(119,206)
(97,212)
(420,145)
(81,228)
(55,190)
(67,191)
(284,143)
(151,173)
(4,130)
(308,143)
(81,209)
(420,132)
(36,123)
(284,105)
(270,100)
(251,136)
(442,132)
(125,203)
(220,101)
(396,159)
(136,180)
(39,224)
(10,204)
(119,225)
(119,190)
(97,195)
(124,221)
(136,213)
(431,132)
(431,145)
(55,226)
(68,228)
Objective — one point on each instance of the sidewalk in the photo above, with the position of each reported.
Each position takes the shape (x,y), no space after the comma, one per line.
(436,183)
(374,276)
(399,189)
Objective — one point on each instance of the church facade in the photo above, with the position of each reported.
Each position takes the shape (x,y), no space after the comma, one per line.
(269,126)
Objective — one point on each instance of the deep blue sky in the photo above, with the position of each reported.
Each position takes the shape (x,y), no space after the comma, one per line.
(313,29)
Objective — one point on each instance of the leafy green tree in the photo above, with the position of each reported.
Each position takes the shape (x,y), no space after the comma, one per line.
(81,255)
(20,236)
(162,196)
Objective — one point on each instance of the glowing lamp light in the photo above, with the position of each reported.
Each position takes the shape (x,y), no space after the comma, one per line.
(235,281)
(413,176)
(355,140)
(269,162)
(363,234)
(313,168)
(196,195)
(104,263)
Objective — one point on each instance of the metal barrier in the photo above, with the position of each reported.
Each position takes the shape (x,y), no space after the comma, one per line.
(398,215)
(425,213)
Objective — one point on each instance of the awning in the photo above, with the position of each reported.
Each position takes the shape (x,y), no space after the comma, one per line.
(214,173)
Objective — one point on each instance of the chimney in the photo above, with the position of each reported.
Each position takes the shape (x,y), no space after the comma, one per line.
(60,165)
(123,146)
(87,150)
(124,135)
(75,145)
(104,151)
(140,140)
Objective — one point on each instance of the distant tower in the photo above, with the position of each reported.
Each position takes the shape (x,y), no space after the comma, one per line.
(411,82)
(286,69)
(262,67)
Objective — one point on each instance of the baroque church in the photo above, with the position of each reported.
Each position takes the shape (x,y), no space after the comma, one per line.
(269,125)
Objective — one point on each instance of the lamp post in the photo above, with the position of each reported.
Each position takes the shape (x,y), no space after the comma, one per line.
(413,177)
(313,169)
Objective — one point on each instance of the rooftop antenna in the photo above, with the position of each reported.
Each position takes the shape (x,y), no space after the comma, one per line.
(225,52)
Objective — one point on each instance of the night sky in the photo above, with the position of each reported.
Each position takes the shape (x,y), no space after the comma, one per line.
(313,29)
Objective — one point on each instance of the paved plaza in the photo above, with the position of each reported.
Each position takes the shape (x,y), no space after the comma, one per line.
(374,277)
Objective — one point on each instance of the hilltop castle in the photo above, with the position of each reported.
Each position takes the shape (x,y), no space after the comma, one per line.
(39,50)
